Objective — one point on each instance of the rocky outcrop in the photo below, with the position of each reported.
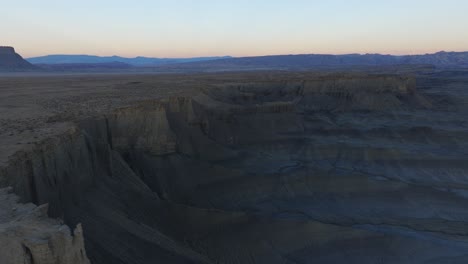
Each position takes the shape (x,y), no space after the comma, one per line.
(326,93)
(332,169)
(12,61)
(29,236)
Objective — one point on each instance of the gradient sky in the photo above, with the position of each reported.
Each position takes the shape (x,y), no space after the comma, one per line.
(188,28)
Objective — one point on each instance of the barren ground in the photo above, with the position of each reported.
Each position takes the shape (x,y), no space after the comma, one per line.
(264,167)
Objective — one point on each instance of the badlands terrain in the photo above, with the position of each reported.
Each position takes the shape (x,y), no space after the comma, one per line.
(251,167)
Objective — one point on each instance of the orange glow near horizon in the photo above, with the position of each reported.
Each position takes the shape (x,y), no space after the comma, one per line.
(28,53)
(189,28)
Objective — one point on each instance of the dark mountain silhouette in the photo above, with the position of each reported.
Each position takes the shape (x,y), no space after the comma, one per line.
(85,66)
(310,61)
(12,61)
(137,61)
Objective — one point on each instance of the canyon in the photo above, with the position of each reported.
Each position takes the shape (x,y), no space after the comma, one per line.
(250,167)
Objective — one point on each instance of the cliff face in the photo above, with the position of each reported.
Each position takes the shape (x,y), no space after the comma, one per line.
(28,236)
(335,169)
(12,61)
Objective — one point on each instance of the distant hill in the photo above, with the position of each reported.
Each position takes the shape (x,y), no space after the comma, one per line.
(308,61)
(106,66)
(137,61)
(12,61)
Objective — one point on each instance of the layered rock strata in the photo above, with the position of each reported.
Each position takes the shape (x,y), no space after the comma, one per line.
(352,169)
(29,236)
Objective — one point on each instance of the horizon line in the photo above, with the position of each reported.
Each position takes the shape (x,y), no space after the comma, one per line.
(248,56)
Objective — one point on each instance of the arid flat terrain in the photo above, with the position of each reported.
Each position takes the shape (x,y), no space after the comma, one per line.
(248,167)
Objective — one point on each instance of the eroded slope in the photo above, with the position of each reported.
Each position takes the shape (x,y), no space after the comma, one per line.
(330,169)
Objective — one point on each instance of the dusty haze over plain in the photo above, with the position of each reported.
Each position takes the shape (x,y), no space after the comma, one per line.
(188,28)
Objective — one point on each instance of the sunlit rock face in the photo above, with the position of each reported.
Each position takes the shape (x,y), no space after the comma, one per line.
(336,169)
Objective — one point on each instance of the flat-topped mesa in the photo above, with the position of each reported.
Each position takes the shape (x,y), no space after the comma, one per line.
(12,61)
(363,83)
(7,50)
(337,92)
(363,93)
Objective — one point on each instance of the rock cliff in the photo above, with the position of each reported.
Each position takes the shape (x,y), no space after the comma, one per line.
(329,169)
(28,236)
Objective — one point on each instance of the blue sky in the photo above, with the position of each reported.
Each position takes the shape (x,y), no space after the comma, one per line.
(187,28)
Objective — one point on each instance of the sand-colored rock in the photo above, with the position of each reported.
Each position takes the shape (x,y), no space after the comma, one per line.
(28,235)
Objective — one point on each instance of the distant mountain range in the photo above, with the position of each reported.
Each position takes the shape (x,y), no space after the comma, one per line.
(137,61)
(276,61)
(11,61)
(311,61)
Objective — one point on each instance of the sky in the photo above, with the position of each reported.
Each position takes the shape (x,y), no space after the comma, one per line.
(191,28)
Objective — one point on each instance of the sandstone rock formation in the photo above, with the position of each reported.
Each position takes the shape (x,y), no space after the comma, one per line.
(28,236)
(12,61)
(333,168)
